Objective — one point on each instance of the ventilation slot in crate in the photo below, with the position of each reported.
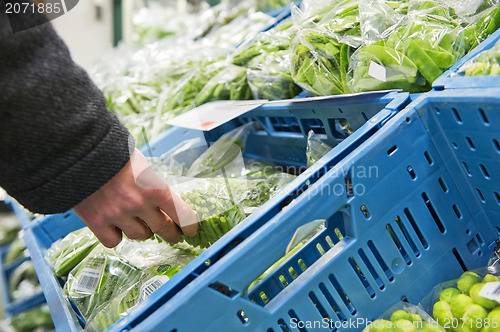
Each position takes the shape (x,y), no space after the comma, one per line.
(357,270)
(397,242)
(380,260)
(371,269)
(407,236)
(343,296)
(415,227)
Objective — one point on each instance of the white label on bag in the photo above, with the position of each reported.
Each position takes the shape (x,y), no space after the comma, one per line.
(150,286)
(491,291)
(377,71)
(87,281)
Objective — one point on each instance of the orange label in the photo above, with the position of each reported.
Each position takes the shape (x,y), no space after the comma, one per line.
(208,123)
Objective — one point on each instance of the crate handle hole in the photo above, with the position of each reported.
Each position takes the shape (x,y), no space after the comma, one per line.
(467,232)
(242,316)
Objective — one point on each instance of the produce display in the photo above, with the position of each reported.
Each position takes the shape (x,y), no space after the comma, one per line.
(37,319)
(467,305)
(16,250)
(23,282)
(327,47)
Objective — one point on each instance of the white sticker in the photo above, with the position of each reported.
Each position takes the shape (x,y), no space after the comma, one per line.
(377,71)
(150,286)
(491,291)
(87,281)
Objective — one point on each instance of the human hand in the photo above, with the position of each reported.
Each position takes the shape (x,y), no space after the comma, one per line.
(137,202)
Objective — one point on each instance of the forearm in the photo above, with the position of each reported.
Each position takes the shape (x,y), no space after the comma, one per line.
(58,141)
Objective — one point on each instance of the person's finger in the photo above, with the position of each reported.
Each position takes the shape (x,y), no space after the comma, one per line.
(187,218)
(134,228)
(181,213)
(162,224)
(109,236)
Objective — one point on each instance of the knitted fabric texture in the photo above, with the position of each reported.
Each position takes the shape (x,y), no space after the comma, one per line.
(58,141)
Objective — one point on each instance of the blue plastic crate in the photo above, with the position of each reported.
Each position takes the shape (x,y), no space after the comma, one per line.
(429,211)
(368,112)
(450,79)
(21,213)
(10,306)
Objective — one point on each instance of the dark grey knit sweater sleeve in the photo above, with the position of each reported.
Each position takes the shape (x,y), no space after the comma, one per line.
(58,141)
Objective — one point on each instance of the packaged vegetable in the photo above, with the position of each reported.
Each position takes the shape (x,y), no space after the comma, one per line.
(225,153)
(316,148)
(149,281)
(404,317)
(37,319)
(485,63)
(23,281)
(100,277)
(468,303)
(16,250)
(68,252)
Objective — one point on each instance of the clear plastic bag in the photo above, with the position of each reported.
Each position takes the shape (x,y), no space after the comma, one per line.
(150,280)
(228,84)
(321,48)
(223,155)
(216,207)
(316,148)
(411,58)
(485,63)
(404,317)
(69,251)
(23,281)
(16,250)
(101,276)
(468,303)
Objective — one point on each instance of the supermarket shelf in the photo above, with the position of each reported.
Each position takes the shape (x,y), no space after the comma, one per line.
(14,307)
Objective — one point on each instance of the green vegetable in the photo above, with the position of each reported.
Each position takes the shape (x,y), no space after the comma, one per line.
(33,319)
(474,314)
(448,294)
(16,250)
(474,294)
(403,315)
(460,304)
(442,312)
(216,215)
(467,280)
